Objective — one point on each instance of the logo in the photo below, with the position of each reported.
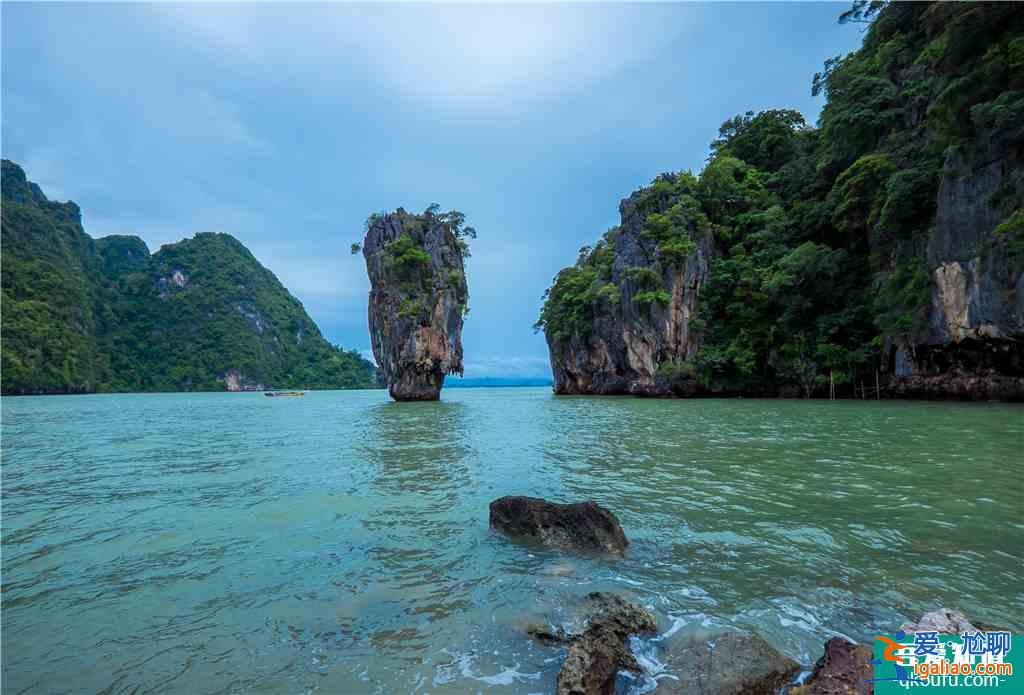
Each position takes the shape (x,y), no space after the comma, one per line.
(943,662)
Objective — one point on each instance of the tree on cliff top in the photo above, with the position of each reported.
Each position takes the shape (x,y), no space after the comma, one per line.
(819,232)
(454,220)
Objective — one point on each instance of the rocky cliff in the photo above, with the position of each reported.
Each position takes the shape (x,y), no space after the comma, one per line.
(636,328)
(418,298)
(884,246)
(83,314)
(973,344)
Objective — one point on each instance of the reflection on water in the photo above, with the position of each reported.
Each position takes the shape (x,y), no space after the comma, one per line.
(419,449)
(233,543)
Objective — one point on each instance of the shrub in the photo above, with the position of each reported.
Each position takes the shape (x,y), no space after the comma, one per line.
(857,195)
(1011,232)
(649,297)
(406,255)
(676,370)
(410,309)
(644,277)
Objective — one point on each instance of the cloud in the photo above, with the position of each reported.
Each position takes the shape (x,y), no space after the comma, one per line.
(334,274)
(286,124)
(485,55)
(220,120)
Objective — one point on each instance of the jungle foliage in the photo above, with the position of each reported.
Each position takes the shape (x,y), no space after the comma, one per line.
(412,277)
(85,315)
(819,232)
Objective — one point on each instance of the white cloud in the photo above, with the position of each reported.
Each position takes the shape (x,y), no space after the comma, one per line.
(333,274)
(460,53)
(220,120)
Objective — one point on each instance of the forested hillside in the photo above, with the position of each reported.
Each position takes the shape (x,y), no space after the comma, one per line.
(83,315)
(888,239)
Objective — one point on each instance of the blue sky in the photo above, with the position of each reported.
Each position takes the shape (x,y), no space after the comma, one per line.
(285,125)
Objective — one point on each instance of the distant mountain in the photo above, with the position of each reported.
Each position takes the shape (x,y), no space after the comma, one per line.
(83,315)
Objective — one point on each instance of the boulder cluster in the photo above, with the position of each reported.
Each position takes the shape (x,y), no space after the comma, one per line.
(725,663)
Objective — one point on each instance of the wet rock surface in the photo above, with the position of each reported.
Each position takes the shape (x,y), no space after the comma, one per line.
(841,670)
(598,654)
(943,620)
(959,385)
(549,635)
(418,296)
(726,664)
(583,526)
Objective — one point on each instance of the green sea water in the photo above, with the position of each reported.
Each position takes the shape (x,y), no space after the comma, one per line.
(338,543)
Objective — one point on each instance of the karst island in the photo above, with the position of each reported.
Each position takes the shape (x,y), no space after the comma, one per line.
(418,297)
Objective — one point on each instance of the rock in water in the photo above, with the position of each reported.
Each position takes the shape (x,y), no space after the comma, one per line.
(943,620)
(418,297)
(841,670)
(728,664)
(580,526)
(597,655)
(637,336)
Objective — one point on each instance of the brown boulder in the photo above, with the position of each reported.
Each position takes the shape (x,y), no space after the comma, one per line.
(597,655)
(579,526)
(841,670)
(943,620)
(728,664)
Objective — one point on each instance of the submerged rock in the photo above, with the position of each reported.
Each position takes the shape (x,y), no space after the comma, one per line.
(841,670)
(942,620)
(548,634)
(579,526)
(418,297)
(601,651)
(730,663)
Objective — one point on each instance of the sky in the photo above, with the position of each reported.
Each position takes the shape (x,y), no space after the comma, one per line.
(287,124)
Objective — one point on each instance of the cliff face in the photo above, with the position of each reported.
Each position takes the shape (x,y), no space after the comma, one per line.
(630,334)
(52,305)
(418,296)
(973,345)
(82,315)
(885,245)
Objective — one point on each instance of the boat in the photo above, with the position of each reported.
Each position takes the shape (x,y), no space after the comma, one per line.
(273,394)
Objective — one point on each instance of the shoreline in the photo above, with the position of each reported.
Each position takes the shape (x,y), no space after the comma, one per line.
(901,398)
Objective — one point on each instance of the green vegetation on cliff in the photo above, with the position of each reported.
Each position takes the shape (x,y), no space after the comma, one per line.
(820,235)
(83,315)
(410,262)
(418,299)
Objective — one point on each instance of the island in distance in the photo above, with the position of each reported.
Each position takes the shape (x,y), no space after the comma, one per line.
(84,315)
(418,297)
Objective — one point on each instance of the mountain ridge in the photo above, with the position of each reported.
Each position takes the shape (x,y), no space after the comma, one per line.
(94,315)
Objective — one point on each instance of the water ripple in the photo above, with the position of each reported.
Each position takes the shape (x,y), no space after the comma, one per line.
(227,543)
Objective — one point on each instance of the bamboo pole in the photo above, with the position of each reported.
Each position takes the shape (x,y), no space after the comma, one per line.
(877,392)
